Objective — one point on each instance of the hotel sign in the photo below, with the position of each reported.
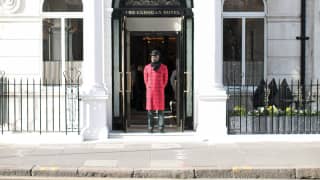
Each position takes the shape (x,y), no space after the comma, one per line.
(153,12)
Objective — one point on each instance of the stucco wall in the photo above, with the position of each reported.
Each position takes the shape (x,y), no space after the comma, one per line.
(20,38)
(283,23)
(313,31)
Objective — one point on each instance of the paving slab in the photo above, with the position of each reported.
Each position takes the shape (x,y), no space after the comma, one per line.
(52,171)
(164,173)
(105,172)
(308,173)
(213,173)
(164,160)
(15,170)
(270,173)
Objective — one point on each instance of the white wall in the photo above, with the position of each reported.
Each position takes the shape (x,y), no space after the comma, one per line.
(20,38)
(283,22)
(313,31)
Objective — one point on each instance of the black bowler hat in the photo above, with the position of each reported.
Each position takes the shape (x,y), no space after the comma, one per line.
(155,53)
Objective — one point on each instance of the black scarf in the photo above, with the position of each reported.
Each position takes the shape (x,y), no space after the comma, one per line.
(156,65)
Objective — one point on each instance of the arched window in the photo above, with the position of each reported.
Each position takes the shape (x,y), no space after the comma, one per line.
(62,6)
(243,5)
(62,45)
(243,41)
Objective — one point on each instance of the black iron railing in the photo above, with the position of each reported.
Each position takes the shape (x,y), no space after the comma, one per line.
(38,106)
(273,107)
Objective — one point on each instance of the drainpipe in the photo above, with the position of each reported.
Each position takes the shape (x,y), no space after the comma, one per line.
(303,38)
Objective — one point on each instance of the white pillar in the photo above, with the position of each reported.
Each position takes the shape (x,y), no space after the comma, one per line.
(94,94)
(210,94)
(108,55)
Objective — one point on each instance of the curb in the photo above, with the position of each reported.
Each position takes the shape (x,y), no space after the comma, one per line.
(187,173)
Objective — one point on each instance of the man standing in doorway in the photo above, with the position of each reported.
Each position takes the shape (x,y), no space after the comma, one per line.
(155,79)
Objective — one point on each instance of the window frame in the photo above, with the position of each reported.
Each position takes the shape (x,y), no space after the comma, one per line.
(243,16)
(62,16)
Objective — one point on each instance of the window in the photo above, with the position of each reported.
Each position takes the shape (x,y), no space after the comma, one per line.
(62,41)
(62,6)
(243,42)
(243,6)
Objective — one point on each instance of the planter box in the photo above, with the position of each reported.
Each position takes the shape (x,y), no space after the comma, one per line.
(274,125)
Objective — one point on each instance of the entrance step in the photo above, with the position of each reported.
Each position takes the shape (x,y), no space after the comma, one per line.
(156,136)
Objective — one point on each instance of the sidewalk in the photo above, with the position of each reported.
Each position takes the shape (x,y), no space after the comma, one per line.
(116,158)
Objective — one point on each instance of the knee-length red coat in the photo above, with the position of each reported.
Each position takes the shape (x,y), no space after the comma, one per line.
(155,82)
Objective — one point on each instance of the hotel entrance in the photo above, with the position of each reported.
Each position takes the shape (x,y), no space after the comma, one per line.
(133,39)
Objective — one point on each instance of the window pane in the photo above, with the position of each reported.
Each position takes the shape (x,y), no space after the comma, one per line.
(52,50)
(243,5)
(254,51)
(74,39)
(51,40)
(62,5)
(232,40)
(74,49)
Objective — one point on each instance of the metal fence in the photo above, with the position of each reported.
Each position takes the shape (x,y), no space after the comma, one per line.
(38,106)
(273,107)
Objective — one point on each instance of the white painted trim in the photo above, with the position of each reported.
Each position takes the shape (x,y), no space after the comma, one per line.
(243,51)
(243,14)
(63,46)
(23,19)
(62,15)
(265,64)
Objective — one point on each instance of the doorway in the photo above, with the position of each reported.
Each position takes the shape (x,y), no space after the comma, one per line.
(129,97)
(141,44)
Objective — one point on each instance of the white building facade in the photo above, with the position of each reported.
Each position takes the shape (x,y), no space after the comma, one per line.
(210,45)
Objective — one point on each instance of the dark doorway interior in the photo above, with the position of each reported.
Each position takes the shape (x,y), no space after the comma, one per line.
(140,46)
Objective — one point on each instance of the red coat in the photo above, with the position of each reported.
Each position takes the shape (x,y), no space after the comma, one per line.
(155,82)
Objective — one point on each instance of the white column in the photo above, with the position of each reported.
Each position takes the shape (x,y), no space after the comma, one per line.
(94,94)
(210,95)
(108,55)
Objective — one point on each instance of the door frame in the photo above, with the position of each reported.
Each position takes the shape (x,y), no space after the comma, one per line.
(183,52)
